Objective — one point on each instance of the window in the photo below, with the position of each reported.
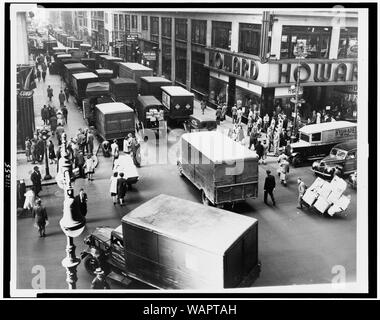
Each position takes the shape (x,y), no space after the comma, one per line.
(351,154)
(198,31)
(134,22)
(144,23)
(316,41)
(305,137)
(154,29)
(167,61)
(115,22)
(181,29)
(316,137)
(180,65)
(249,38)
(121,22)
(127,23)
(166,27)
(221,35)
(348,43)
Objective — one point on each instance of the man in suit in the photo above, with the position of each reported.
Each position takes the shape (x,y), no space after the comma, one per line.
(81,201)
(121,188)
(301,192)
(36,180)
(269,185)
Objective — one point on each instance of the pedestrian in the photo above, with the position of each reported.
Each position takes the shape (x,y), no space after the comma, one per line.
(61,98)
(266,122)
(265,150)
(33,150)
(253,136)
(41,150)
(218,114)
(90,167)
(81,202)
(53,125)
(121,188)
(239,115)
(36,180)
(113,187)
(224,111)
(115,147)
(234,114)
(79,162)
(106,148)
(28,152)
(81,138)
(203,106)
(99,281)
(135,148)
(259,148)
(45,115)
(276,142)
(127,144)
(284,168)
(52,155)
(60,118)
(40,216)
(65,112)
(50,111)
(38,74)
(67,93)
(240,134)
(269,187)
(50,93)
(90,142)
(29,201)
(44,75)
(301,192)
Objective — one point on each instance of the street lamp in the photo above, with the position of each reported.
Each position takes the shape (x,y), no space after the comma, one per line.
(45,135)
(72,222)
(300,53)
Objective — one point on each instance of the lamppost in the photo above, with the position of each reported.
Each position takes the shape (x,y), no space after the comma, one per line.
(300,53)
(72,222)
(45,135)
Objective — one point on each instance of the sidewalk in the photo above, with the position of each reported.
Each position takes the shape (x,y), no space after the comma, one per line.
(74,118)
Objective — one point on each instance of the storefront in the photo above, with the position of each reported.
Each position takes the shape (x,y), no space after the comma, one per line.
(199,74)
(149,54)
(180,65)
(167,61)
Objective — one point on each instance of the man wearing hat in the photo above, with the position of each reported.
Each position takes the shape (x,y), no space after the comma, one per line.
(36,180)
(99,282)
(40,216)
(269,185)
(301,192)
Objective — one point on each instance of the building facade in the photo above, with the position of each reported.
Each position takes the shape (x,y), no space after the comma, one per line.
(247,57)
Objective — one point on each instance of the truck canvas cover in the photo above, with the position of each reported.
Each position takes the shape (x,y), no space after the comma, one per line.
(113,107)
(96,89)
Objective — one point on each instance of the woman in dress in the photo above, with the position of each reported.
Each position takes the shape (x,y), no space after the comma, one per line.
(113,187)
(28,151)
(90,167)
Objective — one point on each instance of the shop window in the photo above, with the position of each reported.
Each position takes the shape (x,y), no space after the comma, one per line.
(181,29)
(198,31)
(166,25)
(315,137)
(221,35)
(249,38)
(154,28)
(316,41)
(218,91)
(348,43)
(180,65)
(134,22)
(144,23)
(199,74)
(167,60)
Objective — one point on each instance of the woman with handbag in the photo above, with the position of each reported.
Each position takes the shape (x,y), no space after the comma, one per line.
(90,167)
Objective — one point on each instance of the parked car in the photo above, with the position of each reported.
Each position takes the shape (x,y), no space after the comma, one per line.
(353,180)
(316,140)
(341,160)
(201,123)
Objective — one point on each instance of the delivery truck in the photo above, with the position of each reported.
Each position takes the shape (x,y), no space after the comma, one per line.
(171,243)
(114,120)
(79,83)
(151,86)
(111,63)
(70,69)
(221,168)
(134,71)
(124,90)
(179,102)
(104,75)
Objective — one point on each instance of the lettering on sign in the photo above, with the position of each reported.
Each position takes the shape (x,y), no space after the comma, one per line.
(235,65)
(345,132)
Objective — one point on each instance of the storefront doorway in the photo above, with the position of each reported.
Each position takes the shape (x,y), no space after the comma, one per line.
(231,91)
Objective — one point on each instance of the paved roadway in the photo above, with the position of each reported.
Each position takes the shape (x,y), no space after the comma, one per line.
(295,247)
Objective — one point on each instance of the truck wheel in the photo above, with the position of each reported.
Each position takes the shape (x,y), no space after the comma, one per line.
(296,161)
(91,263)
(205,201)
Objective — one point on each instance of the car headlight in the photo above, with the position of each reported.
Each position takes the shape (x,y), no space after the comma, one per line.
(315,164)
(329,169)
